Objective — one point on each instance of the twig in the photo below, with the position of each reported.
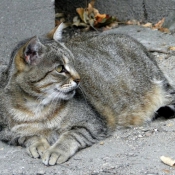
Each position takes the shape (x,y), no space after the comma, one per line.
(159,51)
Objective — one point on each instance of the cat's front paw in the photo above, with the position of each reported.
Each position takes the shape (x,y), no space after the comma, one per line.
(54,155)
(37,148)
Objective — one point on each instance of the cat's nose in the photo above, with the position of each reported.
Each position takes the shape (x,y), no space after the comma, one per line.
(77,81)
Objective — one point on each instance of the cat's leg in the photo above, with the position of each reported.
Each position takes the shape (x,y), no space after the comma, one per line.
(35,145)
(67,145)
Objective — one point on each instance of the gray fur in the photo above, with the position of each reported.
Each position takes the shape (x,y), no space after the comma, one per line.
(120,75)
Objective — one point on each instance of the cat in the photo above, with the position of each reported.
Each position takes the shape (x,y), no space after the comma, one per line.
(57,98)
(39,104)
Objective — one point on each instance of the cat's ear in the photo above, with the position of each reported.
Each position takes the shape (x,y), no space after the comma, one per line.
(33,51)
(58,33)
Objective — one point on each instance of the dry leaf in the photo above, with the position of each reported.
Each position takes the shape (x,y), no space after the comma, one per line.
(133,22)
(80,12)
(149,25)
(164,30)
(76,21)
(91,22)
(172,48)
(100,15)
(167,160)
(113,24)
(90,9)
(159,24)
(85,16)
(102,22)
(59,15)
(92,3)
(92,17)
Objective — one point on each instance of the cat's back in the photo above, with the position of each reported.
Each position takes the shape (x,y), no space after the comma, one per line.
(118,60)
(120,78)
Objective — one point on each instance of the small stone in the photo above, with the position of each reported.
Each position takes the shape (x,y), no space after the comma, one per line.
(148,133)
(40,172)
(101,143)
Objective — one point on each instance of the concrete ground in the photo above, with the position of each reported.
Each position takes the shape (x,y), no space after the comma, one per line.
(134,151)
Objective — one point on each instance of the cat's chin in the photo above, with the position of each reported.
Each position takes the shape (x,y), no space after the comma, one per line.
(57,95)
(67,96)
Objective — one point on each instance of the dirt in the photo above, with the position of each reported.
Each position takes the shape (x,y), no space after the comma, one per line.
(130,151)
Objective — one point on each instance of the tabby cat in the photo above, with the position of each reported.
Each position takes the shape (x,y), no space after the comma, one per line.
(43,109)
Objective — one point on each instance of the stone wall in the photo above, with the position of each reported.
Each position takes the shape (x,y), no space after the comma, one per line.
(20,19)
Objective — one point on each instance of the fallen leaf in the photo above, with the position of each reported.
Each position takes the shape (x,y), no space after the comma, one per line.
(133,22)
(149,25)
(164,30)
(113,24)
(100,15)
(92,3)
(90,9)
(59,15)
(59,21)
(80,12)
(172,48)
(167,160)
(92,17)
(159,24)
(85,16)
(101,22)
(76,21)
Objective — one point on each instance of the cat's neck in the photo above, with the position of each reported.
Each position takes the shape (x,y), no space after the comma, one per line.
(27,108)
(35,112)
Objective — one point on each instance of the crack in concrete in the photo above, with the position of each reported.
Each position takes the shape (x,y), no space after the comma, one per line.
(144,10)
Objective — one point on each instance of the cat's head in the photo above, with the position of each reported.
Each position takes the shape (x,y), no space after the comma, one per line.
(45,70)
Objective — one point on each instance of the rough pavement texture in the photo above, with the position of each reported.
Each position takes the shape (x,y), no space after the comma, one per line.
(143,10)
(22,19)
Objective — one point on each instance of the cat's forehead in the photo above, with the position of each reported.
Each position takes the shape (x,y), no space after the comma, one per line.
(59,51)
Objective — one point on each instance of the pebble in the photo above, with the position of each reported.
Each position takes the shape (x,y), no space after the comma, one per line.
(148,133)
(40,172)
(101,143)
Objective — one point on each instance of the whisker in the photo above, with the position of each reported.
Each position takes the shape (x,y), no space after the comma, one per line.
(83,93)
(56,100)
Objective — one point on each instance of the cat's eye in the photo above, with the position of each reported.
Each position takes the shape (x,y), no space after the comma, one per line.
(60,69)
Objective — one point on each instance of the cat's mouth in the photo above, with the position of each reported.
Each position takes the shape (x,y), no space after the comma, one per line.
(66,93)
